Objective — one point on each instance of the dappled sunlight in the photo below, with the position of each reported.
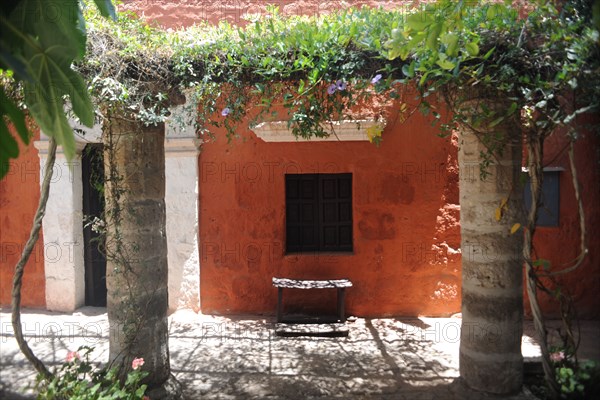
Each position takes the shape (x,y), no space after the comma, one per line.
(242,356)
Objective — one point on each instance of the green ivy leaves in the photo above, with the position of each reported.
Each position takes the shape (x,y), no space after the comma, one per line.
(437,40)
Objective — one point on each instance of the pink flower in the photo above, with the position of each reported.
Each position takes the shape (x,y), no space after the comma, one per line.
(558,356)
(137,362)
(72,355)
(145,398)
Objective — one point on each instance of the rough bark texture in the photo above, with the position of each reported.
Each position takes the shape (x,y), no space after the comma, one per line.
(137,247)
(492,277)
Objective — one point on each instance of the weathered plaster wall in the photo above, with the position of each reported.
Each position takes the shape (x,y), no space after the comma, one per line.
(558,244)
(19,196)
(406,229)
(561,244)
(405,223)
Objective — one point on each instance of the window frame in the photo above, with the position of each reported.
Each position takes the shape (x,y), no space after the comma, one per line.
(549,210)
(321,200)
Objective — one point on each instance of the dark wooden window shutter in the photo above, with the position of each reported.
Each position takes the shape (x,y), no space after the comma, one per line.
(318,212)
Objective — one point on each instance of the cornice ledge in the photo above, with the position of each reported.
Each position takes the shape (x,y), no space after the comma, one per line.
(339,131)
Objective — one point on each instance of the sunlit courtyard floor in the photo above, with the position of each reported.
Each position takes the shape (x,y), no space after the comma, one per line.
(242,357)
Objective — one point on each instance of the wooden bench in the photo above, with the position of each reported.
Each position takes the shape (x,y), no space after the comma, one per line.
(339,284)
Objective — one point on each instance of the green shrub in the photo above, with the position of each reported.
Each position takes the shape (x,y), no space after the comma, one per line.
(576,380)
(78,379)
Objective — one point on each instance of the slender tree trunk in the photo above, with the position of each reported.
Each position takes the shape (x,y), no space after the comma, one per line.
(492,269)
(20,267)
(535,157)
(137,247)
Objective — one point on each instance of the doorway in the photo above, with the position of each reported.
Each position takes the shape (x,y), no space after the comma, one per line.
(92,172)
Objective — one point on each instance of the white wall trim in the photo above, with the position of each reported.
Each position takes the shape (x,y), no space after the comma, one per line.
(182,147)
(348,130)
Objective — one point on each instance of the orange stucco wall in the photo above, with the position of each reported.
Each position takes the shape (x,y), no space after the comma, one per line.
(406,231)
(560,245)
(405,223)
(175,14)
(406,258)
(401,214)
(19,196)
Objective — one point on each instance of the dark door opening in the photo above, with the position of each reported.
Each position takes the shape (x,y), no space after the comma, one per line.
(92,171)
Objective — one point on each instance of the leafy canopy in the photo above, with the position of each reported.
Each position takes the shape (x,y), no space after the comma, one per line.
(317,69)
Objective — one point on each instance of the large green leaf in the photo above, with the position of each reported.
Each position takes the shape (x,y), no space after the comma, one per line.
(50,67)
(39,40)
(36,17)
(106,7)
(8,144)
(10,39)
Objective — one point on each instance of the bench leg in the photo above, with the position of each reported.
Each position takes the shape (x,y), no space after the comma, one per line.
(279,304)
(341,298)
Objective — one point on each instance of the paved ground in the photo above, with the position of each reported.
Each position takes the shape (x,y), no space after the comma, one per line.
(219,357)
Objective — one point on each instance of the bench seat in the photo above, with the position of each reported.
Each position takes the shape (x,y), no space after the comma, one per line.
(286,283)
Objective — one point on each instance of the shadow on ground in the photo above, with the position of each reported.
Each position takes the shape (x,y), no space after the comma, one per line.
(230,358)
(218,357)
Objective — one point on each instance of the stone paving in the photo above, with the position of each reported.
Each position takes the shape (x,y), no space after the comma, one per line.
(217,357)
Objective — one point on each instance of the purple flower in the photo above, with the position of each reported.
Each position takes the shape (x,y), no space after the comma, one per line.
(331,89)
(376,79)
(340,85)
(225,111)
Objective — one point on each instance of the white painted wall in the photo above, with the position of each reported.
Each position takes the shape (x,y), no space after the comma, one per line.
(63,223)
(181,199)
(63,233)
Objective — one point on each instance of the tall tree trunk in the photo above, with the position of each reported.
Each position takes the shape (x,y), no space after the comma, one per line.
(492,270)
(136,247)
